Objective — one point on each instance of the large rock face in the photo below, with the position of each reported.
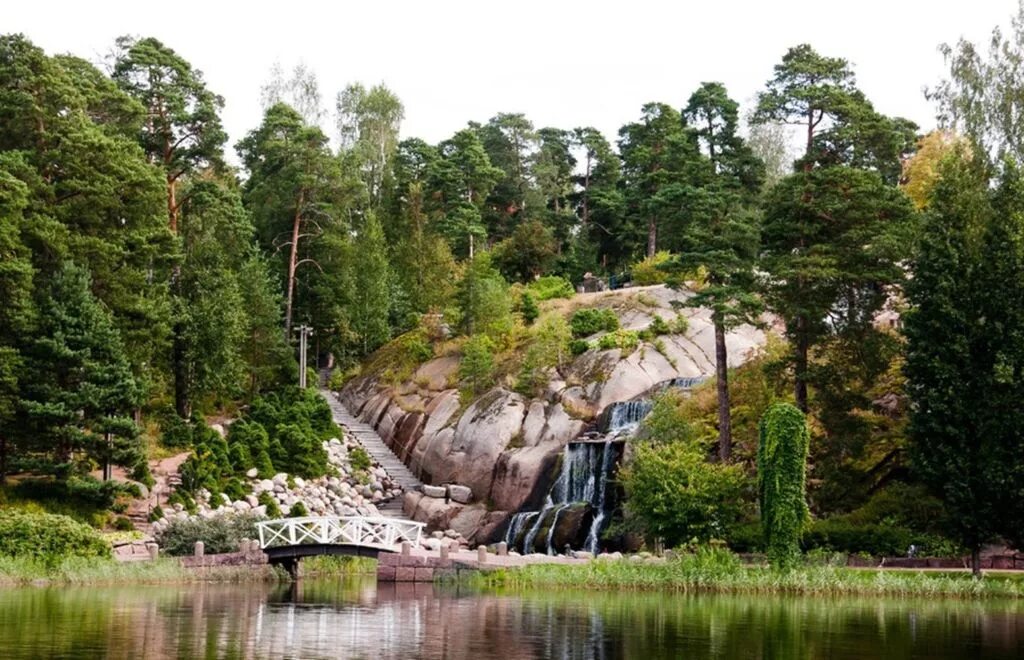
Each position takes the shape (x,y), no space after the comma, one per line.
(504,447)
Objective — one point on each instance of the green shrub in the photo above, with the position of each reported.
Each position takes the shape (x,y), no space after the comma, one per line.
(476,368)
(648,271)
(218,534)
(550,287)
(528,308)
(579,346)
(585,322)
(123,524)
(298,510)
(627,340)
(678,495)
(843,536)
(156,514)
(48,537)
(359,459)
(680,325)
(269,501)
(746,537)
(182,497)
(658,327)
(235,489)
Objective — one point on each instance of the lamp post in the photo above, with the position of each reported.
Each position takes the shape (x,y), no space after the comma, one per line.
(304,332)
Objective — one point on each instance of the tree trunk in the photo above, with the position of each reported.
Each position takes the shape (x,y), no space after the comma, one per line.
(292,263)
(652,237)
(3,460)
(800,375)
(976,562)
(722,374)
(586,193)
(172,205)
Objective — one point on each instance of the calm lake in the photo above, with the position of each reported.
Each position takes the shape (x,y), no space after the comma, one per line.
(356,619)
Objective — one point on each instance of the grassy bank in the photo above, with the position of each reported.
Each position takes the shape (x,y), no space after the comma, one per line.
(721,571)
(167,570)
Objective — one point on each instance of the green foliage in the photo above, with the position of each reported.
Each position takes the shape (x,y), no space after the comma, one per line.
(219,534)
(527,253)
(476,367)
(658,327)
(269,501)
(156,514)
(579,346)
(627,340)
(528,308)
(298,510)
(678,495)
(484,301)
(651,269)
(550,287)
(879,540)
(588,321)
(965,352)
(359,459)
(781,475)
(48,537)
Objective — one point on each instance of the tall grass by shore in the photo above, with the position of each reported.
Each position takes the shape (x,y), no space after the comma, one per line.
(714,570)
(77,570)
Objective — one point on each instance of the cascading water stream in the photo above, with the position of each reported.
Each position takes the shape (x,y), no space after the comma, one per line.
(586,469)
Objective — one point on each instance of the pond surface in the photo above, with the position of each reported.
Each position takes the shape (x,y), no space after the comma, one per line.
(358,619)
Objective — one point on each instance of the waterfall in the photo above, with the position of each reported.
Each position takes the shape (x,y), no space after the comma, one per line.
(586,469)
(626,416)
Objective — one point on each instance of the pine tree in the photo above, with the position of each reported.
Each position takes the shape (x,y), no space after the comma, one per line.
(722,237)
(17,309)
(80,391)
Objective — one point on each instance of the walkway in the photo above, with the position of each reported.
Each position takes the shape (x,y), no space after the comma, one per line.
(378,451)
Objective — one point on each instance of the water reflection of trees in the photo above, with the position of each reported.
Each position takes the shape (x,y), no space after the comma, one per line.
(355,619)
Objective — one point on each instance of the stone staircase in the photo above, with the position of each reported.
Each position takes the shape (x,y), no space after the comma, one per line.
(367,436)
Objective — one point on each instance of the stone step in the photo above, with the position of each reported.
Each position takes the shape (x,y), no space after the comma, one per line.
(374,445)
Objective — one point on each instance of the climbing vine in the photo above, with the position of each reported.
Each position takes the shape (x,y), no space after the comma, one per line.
(781,466)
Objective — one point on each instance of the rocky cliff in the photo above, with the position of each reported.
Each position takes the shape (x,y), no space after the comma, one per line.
(504,446)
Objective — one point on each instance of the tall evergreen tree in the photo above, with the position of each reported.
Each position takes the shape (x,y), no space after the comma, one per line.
(82,392)
(723,235)
(16,311)
(965,353)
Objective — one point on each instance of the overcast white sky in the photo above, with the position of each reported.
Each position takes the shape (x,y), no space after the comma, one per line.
(563,64)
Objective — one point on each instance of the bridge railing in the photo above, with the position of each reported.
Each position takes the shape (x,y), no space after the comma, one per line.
(380,533)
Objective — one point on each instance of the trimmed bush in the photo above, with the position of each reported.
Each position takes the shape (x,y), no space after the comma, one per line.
(219,534)
(585,322)
(48,537)
(298,510)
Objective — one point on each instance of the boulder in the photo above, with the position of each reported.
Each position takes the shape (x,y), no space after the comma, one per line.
(482,434)
(252,473)
(461,494)
(280,479)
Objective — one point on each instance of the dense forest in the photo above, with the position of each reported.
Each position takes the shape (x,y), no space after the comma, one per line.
(147,280)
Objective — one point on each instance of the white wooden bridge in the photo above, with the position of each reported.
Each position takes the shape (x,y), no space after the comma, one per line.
(287,540)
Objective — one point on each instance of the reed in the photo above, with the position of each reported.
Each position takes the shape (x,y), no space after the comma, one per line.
(712,570)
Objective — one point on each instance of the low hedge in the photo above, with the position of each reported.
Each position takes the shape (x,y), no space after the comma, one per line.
(48,537)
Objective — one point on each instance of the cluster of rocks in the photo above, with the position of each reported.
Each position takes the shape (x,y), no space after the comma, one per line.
(344,494)
(450,538)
